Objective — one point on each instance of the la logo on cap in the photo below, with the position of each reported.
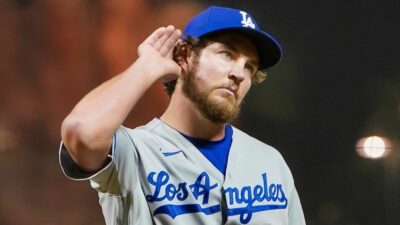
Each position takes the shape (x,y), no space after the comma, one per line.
(246,20)
(217,19)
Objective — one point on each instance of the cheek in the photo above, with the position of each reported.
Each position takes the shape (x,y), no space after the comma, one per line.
(212,67)
(205,79)
(244,88)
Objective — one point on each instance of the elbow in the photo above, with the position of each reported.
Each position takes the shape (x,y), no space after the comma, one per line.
(73,134)
(86,147)
(79,135)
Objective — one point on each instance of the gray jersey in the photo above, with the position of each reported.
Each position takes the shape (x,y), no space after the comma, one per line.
(156,176)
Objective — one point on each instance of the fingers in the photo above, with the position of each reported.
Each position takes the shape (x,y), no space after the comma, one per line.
(155,36)
(168,32)
(163,39)
(170,42)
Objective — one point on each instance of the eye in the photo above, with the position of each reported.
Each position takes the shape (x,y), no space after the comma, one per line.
(226,54)
(251,68)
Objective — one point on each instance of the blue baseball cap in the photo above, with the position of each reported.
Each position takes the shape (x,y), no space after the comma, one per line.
(216,19)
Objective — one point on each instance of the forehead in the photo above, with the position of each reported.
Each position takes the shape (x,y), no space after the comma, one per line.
(236,41)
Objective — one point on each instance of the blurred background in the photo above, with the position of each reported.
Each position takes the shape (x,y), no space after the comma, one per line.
(337,85)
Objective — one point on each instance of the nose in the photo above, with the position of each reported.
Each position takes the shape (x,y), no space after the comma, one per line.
(237,73)
(236,79)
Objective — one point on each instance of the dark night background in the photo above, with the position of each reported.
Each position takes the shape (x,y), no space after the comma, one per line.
(339,81)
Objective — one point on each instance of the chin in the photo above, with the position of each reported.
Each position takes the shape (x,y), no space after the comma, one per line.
(224,101)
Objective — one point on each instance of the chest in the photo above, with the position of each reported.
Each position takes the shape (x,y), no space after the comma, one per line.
(180,184)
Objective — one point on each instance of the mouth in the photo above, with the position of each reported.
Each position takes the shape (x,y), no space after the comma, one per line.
(230,90)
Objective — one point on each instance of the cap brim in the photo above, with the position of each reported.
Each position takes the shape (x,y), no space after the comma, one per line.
(268,49)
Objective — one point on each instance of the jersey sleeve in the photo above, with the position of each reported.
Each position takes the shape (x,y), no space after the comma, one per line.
(119,174)
(296,216)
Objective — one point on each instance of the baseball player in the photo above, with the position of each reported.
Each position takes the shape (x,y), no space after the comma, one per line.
(189,166)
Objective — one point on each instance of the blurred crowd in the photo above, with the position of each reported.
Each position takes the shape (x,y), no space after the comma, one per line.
(52,53)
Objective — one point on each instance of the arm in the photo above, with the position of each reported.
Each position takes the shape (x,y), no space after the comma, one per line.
(88,130)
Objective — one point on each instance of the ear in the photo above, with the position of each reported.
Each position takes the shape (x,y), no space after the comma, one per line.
(181,55)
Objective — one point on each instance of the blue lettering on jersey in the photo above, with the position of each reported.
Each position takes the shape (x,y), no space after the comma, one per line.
(267,196)
(164,190)
(271,193)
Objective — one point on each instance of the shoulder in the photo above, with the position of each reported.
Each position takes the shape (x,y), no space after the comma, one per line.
(149,130)
(254,145)
(253,153)
(154,135)
(155,126)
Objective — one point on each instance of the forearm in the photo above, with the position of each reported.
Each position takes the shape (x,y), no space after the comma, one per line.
(87,131)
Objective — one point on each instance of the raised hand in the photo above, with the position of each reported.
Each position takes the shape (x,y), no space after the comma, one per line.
(88,130)
(157,51)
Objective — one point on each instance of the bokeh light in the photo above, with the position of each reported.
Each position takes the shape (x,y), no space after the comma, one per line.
(373,147)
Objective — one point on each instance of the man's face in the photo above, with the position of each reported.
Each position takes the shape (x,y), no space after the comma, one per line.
(220,76)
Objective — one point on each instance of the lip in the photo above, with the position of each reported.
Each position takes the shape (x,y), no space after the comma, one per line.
(231,90)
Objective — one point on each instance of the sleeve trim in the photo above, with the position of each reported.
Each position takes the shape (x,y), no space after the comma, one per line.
(72,171)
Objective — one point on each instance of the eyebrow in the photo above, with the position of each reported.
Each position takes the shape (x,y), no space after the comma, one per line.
(231,47)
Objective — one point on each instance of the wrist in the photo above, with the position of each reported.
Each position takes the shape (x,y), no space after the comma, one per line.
(145,69)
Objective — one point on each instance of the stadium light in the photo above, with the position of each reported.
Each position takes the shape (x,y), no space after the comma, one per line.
(373,147)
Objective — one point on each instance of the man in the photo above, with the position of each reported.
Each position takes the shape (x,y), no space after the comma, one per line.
(190,166)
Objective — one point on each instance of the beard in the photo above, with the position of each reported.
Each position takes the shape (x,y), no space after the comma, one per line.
(212,109)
